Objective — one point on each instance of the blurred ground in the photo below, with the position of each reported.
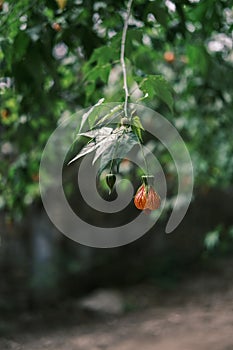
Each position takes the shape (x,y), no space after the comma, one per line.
(196,313)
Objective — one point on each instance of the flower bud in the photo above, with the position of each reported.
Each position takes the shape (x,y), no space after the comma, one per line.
(110,180)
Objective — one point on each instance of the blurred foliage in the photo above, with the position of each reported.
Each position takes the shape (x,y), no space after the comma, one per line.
(58,56)
(219,241)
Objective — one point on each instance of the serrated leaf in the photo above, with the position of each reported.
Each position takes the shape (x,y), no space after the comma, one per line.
(105,145)
(94,117)
(98,134)
(137,127)
(90,147)
(100,72)
(118,149)
(88,113)
(102,55)
(100,64)
(111,114)
(107,142)
(156,85)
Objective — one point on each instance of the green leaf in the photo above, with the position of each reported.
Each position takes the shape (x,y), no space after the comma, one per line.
(102,55)
(100,63)
(21,43)
(104,115)
(114,112)
(100,72)
(134,39)
(198,58)
(88,113)
(117,149)
(156,85)
(8,53)
(94,76)
(97,134)
(105,145)
(137,127)
(106,142)
(99,66)
(90,147)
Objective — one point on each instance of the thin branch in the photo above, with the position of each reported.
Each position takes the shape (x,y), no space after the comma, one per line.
(123,56)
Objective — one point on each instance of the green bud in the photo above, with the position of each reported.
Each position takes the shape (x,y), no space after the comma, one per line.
(110,180)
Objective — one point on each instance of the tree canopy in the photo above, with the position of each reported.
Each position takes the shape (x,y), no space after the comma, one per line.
(58,56)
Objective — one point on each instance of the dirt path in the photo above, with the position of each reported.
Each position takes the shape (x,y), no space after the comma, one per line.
(196,316)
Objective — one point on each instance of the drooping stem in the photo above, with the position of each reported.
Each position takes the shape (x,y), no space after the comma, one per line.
(144,158)
(126,22)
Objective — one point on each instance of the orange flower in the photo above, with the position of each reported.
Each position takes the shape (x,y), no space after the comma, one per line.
(169,56)
(57,27)
(147,199)
(140,198)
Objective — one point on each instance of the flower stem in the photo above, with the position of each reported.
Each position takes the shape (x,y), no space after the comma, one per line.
(144,158)
(126,22)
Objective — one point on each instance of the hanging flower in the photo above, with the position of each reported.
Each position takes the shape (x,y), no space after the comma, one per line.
(110,180)
(140,198)
(147,198)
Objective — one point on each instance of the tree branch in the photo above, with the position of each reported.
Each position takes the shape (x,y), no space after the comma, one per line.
(126,22)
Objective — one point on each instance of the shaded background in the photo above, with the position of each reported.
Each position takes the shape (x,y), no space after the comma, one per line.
(58,57)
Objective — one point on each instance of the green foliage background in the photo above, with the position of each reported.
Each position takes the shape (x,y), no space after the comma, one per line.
(54,61)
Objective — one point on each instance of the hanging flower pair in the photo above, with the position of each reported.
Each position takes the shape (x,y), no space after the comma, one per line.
(146,198)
